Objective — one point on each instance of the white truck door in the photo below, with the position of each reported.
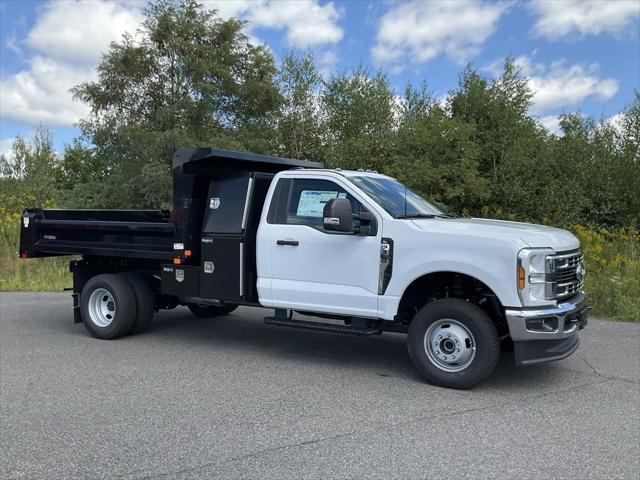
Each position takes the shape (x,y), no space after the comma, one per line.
(308,267)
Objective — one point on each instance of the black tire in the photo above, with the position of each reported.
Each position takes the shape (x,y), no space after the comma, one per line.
(210,311)
(144,302)
(119,295)
(476,321)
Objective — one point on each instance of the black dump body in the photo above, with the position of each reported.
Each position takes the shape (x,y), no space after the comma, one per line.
(108,233)
(204,248)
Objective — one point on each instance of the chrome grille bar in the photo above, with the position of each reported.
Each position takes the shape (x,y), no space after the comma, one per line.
(563,278)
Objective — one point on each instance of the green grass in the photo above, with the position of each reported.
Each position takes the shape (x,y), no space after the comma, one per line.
(35,274)
(612,261)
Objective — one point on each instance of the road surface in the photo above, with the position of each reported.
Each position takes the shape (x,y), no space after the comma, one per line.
(233,398)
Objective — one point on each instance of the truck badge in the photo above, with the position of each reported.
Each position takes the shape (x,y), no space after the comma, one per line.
(209,267)
(214,203)
(179,275)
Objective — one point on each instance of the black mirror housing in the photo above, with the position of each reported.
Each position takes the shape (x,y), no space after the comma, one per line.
(337,216)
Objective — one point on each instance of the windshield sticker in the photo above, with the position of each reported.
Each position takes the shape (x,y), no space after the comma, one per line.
(312,202)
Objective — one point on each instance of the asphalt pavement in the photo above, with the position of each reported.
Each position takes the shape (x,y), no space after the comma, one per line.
(234,398)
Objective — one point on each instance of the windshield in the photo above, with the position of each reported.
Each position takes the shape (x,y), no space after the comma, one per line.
(390,195)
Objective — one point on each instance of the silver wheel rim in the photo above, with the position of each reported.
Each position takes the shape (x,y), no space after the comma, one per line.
(449,345)
(102,307)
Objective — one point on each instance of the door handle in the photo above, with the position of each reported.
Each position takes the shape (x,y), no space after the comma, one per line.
(293,243)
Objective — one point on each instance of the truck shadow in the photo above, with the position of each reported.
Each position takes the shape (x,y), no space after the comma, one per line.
(245,334)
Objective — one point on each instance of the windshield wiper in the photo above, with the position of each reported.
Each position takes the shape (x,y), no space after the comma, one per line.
(446,215)
(417,215)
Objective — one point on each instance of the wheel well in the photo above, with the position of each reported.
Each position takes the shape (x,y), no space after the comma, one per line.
(439,285)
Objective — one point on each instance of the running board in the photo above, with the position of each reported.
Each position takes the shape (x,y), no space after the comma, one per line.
(325,327)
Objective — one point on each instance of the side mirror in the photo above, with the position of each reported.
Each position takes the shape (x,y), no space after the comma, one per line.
(367,223)
(337,216)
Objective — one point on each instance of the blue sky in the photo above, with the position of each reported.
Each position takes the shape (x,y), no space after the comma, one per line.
(578,55)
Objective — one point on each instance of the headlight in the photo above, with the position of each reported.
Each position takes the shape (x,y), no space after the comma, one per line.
(533,266)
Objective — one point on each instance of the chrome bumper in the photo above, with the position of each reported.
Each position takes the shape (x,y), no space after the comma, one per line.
(570,315)
(533,344)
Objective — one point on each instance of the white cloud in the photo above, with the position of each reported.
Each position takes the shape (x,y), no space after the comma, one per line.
(418,31)
(5,146)
(68,38)
(557,19)
(307,23)
(41,94)
(617,121)
(551,123)
(560,85)
(78,32)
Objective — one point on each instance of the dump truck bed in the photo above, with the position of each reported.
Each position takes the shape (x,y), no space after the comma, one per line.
(145,234)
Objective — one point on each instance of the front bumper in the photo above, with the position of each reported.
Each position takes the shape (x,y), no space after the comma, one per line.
(536,342)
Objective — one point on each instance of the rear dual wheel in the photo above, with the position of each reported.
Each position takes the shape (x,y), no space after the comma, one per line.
(114,305)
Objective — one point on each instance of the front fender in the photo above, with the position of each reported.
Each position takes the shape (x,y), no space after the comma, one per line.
(492,261)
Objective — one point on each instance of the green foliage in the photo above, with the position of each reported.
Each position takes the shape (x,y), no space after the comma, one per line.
(300,129)
(30,167)
(187,78)
(612,259)
(360,120)
(435,153)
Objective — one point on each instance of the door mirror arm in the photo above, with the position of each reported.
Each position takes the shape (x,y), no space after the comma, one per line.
(368,224)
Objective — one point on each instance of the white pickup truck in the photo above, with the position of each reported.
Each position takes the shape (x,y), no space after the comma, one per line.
(356,248)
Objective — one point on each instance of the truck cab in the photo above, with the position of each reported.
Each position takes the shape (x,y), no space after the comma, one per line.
(358,250)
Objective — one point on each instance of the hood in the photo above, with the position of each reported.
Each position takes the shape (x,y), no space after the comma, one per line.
(531,235)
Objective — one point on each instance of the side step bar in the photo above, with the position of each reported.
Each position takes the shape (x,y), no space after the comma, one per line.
(325,327)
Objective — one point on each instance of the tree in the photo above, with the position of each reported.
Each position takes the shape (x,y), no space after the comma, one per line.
(360,120)
(511,144)
(300,127)
(628,135)
(436,154)
(187,78)
(31,166)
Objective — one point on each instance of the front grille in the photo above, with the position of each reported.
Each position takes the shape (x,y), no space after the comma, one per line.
(563,280)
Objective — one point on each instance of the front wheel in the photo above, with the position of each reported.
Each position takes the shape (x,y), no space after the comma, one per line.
(453,343)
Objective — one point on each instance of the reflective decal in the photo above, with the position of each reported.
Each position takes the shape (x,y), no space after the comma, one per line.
(179,275)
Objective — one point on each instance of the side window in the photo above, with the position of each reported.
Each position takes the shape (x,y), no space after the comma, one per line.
(307,198)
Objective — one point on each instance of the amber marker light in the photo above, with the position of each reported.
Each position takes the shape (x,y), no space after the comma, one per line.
(521,274)
(177,261)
